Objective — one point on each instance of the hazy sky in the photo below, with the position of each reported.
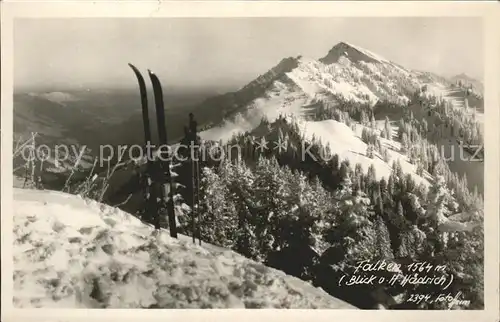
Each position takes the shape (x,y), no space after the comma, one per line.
(207,52)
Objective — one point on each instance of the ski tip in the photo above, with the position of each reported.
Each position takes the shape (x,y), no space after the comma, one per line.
(133,67)
(150,72)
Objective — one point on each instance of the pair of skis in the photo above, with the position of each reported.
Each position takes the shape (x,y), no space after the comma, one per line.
(156,170)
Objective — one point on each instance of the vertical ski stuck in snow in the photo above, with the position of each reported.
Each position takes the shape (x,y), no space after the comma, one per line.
(167,184)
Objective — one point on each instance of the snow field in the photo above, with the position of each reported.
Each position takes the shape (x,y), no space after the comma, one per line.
(72,253)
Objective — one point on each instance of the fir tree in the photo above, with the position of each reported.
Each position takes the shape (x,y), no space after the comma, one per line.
(369,151)
(371,177)
(219,220)
(420,169)
(363,118)
(383,242)
(387,129)
(425,126)
(398,219)
(386,156)
(405,143)
(373,124)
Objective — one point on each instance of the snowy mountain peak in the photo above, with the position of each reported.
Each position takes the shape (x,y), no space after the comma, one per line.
(353,52)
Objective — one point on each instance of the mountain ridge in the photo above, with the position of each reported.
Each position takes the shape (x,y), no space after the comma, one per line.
(346,73)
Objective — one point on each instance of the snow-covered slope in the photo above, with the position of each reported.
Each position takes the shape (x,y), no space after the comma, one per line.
(69,252)
(348,145)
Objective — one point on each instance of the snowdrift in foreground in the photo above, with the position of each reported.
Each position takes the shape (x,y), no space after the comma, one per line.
(72,253)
